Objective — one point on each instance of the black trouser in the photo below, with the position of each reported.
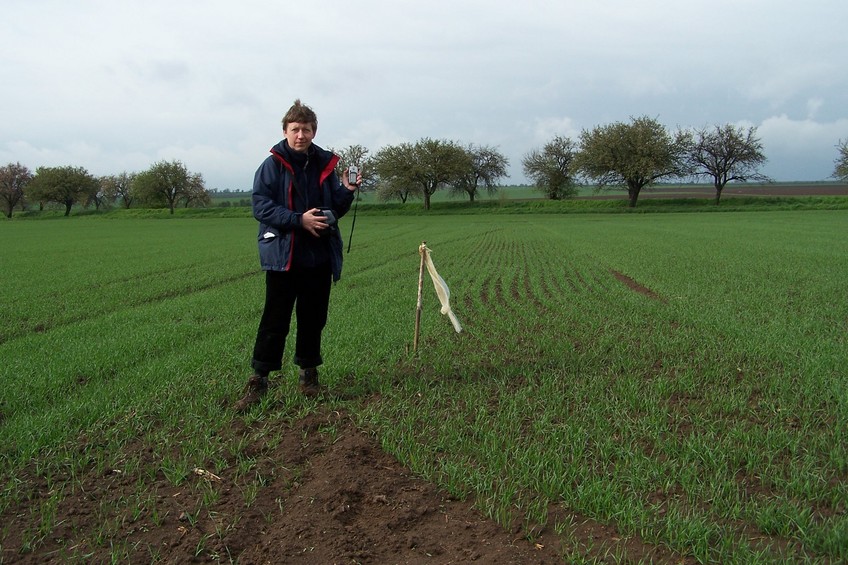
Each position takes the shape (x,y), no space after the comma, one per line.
(309,291)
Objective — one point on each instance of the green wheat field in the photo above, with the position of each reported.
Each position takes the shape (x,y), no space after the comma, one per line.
(678,376)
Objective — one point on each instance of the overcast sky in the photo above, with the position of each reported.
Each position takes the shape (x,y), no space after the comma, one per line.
(117,85)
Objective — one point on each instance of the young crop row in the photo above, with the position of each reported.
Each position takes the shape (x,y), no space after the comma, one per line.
(676,378)
(700,403)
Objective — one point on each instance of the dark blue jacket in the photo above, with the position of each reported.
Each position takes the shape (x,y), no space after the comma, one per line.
(278,204)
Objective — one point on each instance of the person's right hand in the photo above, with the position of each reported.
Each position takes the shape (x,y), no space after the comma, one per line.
(314,222)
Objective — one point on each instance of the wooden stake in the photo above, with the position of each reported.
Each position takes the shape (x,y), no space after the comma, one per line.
(421,251)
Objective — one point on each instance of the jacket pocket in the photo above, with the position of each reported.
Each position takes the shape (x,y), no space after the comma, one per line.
(273,251)
(268,234)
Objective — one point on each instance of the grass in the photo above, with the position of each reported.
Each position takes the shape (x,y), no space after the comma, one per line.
(704,411)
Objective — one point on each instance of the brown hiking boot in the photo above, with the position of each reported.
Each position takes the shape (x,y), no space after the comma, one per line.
(254,391)
(308,382)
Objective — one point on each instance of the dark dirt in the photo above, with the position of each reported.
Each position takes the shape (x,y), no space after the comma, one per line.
(636,287)
(324,498)
(729,191)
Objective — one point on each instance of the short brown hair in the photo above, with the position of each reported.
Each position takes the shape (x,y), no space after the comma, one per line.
(300,113)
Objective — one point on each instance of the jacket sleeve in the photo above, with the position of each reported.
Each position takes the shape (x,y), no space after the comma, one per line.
(269,198)
(342,197)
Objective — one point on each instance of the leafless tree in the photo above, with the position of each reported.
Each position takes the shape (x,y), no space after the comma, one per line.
(840,169)
(725,154)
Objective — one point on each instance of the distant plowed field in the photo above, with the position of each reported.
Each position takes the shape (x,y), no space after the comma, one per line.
(704,191)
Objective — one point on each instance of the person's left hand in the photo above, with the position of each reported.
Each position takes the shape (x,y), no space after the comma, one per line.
(346,181)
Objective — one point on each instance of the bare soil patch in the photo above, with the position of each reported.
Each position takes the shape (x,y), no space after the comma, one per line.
(704,191)
(636,287)
(325,497)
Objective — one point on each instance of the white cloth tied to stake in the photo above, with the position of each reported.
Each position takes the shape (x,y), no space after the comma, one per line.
(441,287)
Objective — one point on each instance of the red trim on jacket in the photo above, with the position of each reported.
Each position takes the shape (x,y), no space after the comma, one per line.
(282,160)
(328,170)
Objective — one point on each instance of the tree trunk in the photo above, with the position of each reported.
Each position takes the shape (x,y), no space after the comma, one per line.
(632,195)
(718,194)
(426,200)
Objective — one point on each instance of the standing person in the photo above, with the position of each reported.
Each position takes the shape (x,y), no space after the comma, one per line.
(297,198)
